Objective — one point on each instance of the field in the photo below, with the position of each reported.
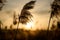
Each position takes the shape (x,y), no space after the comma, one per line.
(21,34)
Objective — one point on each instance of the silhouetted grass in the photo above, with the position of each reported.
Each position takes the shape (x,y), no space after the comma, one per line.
(21,34)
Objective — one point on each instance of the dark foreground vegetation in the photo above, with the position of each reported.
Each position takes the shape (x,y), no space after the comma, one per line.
(21,34)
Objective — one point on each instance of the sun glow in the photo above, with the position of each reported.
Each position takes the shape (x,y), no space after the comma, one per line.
(29,25)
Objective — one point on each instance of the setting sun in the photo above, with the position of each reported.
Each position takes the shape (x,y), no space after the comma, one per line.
(29,25)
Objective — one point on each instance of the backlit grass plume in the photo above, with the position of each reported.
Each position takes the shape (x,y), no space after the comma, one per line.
(25,14)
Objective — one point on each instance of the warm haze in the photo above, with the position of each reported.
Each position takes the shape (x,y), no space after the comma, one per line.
(41,13)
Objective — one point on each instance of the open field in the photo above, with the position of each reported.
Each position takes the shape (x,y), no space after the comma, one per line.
(21,34)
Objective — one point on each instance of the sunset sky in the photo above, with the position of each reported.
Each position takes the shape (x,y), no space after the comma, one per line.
(40,12)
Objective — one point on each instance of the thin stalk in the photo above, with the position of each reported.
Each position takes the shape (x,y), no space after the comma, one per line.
(17,30)
(17,26)
(48,25)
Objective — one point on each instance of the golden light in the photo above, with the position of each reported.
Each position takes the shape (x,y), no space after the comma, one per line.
(29,25)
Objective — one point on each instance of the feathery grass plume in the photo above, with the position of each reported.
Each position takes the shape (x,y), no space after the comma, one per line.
(55,6)
(14,19)
(2,3)
(25,14)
